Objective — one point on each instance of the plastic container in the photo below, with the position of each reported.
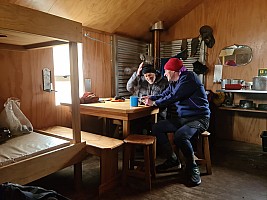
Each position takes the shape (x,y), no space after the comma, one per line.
(264,140)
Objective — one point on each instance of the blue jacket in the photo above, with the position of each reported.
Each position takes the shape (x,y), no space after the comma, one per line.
(187,94)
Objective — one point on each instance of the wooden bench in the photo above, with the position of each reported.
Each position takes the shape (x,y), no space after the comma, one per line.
(105,147)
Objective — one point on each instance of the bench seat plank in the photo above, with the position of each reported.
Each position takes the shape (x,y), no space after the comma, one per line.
(95,140)
(105,147)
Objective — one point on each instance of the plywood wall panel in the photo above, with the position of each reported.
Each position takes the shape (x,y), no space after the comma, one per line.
(97,66)
(97,62)
(233,22)
(38,103)
(21,77)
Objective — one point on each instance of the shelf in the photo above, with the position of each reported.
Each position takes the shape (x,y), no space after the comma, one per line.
(244,91)
(243,110)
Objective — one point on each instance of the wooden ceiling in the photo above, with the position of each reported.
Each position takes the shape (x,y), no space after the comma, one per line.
(132,18)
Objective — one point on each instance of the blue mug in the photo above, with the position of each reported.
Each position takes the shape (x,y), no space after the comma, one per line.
(133,101)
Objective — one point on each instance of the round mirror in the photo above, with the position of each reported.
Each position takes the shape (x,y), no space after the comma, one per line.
(236,55)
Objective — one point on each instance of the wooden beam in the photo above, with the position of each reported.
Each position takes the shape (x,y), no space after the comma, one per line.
(27,20)
(44,44)
(75,106)
(12,47)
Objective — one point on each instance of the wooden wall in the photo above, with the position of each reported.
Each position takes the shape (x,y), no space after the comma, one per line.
(21,77)
(233,22)
(97,66)
(97,62)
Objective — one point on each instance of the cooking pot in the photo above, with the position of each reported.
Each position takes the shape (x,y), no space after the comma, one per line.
(246,104)
(260,83)
(262,107)
(238,81)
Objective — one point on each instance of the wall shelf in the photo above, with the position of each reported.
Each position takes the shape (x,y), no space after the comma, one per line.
(243,110)
(244,91)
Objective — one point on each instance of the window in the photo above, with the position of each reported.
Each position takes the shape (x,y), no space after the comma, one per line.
(62,73)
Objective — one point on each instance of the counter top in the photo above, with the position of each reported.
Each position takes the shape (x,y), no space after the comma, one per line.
(244,91)
(242,109)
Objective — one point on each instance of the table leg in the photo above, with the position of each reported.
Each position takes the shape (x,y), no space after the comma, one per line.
(126,128)
(105,126)
(155,118)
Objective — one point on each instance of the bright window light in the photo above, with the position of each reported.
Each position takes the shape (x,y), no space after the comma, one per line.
(62,73)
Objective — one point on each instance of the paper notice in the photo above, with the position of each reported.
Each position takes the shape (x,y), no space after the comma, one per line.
(217,73)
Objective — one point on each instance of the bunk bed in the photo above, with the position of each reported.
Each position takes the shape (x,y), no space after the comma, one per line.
(24,159)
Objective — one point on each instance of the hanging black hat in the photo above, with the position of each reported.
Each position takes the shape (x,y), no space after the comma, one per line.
(206,33)
(199,68)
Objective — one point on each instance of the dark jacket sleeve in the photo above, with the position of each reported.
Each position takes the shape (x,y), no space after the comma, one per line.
(183,89)
(164,93)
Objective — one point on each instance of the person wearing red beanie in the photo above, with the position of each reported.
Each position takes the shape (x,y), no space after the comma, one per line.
(173,64)
(187,94)
(173,69)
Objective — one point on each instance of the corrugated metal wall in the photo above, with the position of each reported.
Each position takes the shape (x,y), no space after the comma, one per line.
(126,58)
(170,49)
(126,61)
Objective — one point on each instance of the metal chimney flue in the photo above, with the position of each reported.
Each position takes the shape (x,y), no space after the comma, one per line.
(156,29)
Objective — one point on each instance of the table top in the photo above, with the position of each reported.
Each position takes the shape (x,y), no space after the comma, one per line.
(120,107)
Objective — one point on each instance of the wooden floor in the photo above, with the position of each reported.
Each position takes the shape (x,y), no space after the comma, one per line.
(239,172)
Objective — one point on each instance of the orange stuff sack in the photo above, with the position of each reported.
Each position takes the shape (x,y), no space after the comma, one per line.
(89,97)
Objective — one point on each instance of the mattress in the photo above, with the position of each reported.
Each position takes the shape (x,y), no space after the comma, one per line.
(28,145)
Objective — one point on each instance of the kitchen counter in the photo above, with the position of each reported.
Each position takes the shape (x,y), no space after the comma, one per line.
(244,91)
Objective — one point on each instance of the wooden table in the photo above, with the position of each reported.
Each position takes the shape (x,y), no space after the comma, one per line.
(118,110)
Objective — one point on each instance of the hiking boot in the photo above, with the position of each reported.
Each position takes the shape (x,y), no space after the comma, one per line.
(169,163)
(194,176)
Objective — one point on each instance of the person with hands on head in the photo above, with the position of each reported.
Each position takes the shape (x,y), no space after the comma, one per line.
(188,95)
(147,81)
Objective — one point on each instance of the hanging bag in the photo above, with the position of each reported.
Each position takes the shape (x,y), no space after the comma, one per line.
(14,119)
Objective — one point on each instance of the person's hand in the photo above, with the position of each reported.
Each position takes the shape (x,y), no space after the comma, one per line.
(147,100)
(140,69)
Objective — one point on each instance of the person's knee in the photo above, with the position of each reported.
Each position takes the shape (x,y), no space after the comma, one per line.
(183,135)
(157,128)
(179,138)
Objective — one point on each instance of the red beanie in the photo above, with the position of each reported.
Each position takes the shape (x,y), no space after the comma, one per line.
(173,64)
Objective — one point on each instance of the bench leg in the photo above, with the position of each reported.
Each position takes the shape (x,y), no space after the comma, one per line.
(109,176)
(147,167)
(126,159)
(207,154)
(78,176)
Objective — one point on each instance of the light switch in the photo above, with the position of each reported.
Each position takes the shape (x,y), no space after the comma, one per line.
(87,85)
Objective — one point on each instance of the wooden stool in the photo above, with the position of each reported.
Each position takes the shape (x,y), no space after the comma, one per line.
(202,154)
(134,168)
